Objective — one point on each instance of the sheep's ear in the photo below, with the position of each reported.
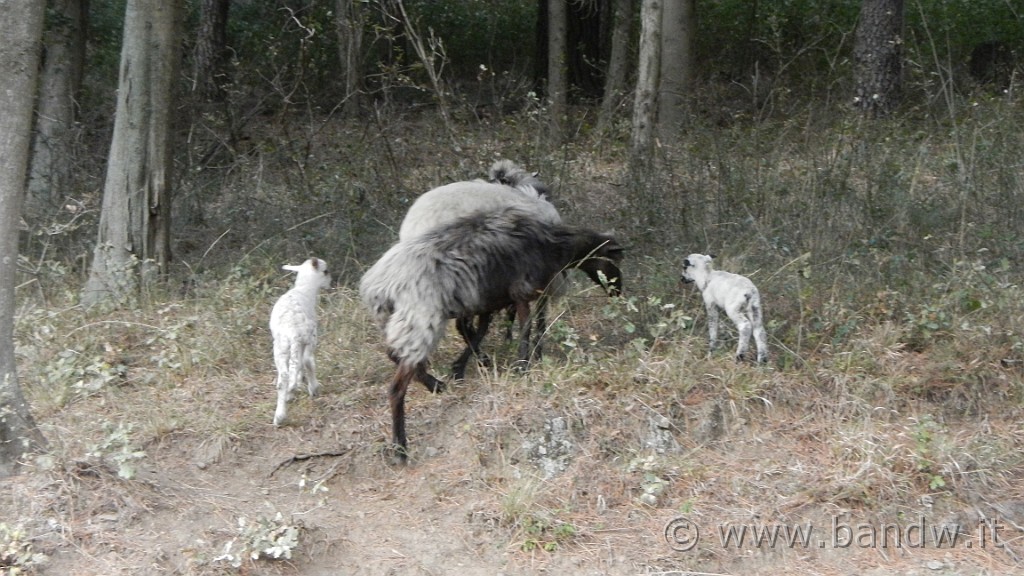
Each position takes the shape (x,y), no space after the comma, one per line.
(290,268)
(712,256)
(315,263)
(686,263)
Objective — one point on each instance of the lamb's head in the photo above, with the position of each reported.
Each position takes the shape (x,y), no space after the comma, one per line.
(312,273)
(601,263)
(697,268)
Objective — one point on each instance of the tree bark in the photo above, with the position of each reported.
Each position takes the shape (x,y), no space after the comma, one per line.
(678,28)
(134,231)
(618,64)
(52,154)
(22,29)
(209,57)
(645,106)
(350,20)
(557,89)
(877,54)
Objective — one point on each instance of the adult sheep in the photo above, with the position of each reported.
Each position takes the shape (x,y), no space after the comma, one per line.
(477,264)
(508,186)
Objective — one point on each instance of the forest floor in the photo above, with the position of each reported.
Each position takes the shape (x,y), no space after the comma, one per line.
(600,465)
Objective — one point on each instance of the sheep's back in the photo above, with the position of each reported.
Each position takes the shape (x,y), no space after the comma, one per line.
(444,205)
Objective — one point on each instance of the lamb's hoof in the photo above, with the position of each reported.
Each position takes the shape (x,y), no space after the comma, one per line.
(520,366)
(484,360)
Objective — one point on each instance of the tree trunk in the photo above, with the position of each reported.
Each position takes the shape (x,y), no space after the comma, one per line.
(350,21)
(22,29)
(618,64)
(645,105)
(557,89)
(49,178)
(134,230)
(210,74)
(877,56)
(678,28)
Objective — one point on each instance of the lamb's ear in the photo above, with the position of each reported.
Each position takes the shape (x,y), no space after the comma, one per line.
(686,263)
(290,268)
(315,263)
(712,256)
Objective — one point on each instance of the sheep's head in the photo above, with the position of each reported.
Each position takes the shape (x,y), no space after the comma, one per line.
(696,267)
(509,174)
(312,272)
(601,264)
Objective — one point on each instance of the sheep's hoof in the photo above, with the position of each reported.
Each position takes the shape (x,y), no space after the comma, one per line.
(484,360)
(399,455)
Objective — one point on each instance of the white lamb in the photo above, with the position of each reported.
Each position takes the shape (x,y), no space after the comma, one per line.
(293,324)
(733,293)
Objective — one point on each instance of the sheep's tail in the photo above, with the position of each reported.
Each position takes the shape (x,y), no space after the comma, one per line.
(405,305)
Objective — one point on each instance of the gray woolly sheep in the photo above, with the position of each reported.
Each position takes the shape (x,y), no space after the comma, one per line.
(475,265)
(733,293)
(508,186)
(293,324)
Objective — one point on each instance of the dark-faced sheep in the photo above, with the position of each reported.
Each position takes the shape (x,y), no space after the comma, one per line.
(508,186)
(475,265)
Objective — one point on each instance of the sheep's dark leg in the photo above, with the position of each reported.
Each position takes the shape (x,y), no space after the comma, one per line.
(510,314)
(542,320)
(473,336)
(523,316)
(432,384)
(396,397)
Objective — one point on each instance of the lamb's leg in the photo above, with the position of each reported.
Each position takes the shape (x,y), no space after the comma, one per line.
(712,311)
(744,328)
(309,366)
(282,400)
(396,398)
(760,338)
(281,354)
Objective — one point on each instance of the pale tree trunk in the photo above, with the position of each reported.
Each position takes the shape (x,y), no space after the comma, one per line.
(645,103)
(877,56)
(618,63)
(209,56)
(21,28)
(134,231)
(350,19)
(61,77)
(678,28)
(557,85)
